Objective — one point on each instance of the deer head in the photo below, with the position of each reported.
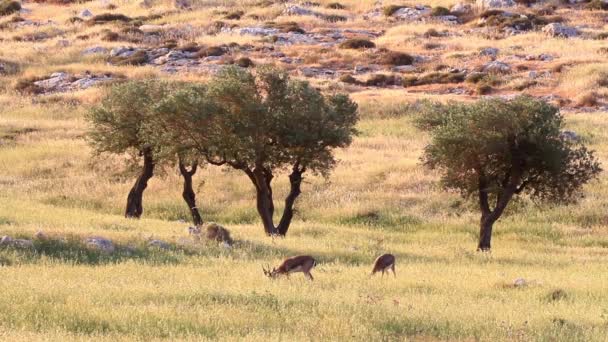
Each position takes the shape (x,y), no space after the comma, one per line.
(268,272)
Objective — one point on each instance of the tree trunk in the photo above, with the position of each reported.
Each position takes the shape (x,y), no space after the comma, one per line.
(265,206)
(135,199)
(295,179)
(485,233)
(188,193)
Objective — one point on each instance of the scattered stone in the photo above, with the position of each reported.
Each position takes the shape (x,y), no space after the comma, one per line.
(86,13)
(6,240)
(95,50)
(570,135)
(159,244)
(40,235)
(317,72)
(489,52)
(257,31)
(63,82)
(486,4)
(461,8)
(404,68)
(182,4)
(63,43)
(560,30)
(520,282)
(411,14)
(497,67)
(151,28)
(16,243)
(101,244)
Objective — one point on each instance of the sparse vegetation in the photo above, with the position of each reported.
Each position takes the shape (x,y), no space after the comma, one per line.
(543,281)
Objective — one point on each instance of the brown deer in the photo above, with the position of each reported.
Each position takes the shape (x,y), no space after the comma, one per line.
(384,263)
(300,263)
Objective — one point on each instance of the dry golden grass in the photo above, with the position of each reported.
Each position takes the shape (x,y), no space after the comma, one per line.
(378,199)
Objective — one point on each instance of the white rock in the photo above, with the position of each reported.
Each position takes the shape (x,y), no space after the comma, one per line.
(490,52)
(95,50)
(101,244)
(559,30)
(151,28)
(159,244)
(497,67)
(86,13)
(520,282)
(461,8)
(6,240)
(257,31)
(495,3)
(404,68)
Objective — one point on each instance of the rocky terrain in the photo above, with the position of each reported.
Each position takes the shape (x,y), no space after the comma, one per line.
(552,50)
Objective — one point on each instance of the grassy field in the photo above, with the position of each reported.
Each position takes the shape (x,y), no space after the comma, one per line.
(379,199)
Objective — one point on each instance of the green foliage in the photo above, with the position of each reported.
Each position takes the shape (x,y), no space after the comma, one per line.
(495,146)
(120,124)
(263,120)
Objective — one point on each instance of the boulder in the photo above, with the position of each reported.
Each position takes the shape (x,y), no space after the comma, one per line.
(497,67)
(489,52)
(257,31)
(85,13)
(95,50)
(6,240)
(520,282)
(461,8)
(560,30)
(159,244)
(99,243)
(485,4)
(151,28)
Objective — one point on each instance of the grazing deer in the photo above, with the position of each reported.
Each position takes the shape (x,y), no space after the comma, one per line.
(301,263)
(384,263)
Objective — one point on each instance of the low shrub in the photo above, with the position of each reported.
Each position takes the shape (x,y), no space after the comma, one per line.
(286,27)
(334,18)
(236,15)
(336,5)
(397,59)
(357,43)
(244,62)
(138,58)
(439,11)
(391,9)
(107,18)
(434,78)
(8,7)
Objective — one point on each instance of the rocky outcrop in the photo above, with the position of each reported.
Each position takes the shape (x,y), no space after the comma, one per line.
(560,30)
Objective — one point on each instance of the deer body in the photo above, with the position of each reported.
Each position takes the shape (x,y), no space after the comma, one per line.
(384,263)
(300,263)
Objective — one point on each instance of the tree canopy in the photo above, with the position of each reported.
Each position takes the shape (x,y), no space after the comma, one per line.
(495,149)
(261,124)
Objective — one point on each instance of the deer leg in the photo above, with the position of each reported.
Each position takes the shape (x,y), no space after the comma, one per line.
(309,276)
(393,269)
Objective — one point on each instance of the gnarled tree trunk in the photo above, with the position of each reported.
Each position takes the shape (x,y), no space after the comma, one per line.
(135,199)
(262,178)
(188,192)
(485,233)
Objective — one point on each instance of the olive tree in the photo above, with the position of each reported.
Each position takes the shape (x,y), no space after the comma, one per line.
(496,149)
(262,124)
(123,124)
